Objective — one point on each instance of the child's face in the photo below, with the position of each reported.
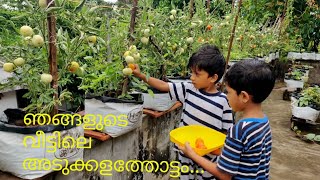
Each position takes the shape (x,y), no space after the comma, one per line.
(234,99)
(200,79)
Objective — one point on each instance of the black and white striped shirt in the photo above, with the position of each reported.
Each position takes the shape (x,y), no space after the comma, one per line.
(202,108)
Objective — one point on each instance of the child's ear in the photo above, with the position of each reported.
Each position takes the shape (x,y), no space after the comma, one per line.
(245,97)
(214,78)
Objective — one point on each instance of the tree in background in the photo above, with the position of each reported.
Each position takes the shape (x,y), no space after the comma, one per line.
(306,24)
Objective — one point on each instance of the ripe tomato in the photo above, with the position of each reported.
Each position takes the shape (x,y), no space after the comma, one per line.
(200,144)
(132,66)
(209,27)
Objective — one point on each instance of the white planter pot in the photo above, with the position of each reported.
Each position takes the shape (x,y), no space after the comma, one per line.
(294,55)
(13,153)
(160,102)
(293,83)
(309,56)
(306,113)
(116,118)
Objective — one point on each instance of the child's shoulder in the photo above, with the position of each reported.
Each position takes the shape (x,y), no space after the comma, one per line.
(248,126)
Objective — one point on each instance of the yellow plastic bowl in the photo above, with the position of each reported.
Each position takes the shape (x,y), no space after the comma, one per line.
(212,139)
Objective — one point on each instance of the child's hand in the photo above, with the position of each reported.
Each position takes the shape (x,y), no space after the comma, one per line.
(136,72)
(187,149)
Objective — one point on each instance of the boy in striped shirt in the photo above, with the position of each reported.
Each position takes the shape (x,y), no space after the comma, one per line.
(247,149)
(202,103)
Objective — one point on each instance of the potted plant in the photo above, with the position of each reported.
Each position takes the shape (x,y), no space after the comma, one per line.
(307,106)
(27,60)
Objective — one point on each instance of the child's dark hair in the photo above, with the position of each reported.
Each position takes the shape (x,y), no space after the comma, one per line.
(209,59)
(253,76)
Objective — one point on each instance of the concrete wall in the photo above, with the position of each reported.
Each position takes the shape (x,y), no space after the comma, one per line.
(151,141)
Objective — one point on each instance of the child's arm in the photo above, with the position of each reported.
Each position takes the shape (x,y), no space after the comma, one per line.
(205,163)
(153,82)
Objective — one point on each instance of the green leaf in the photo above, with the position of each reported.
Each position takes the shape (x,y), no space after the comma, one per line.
(93,9)
(317,138)
(2,18)
(151,93)
(17,17)
(145,88)
(102,41)
(147,76)
(310,136)
(78,8)
(52,9)
(88,58)
(28,3)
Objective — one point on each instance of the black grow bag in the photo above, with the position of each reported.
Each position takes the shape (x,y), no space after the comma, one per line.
(16,114)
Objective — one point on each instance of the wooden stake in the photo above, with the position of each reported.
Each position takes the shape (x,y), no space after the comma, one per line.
(283,16)
(133,19)
(208,6)
(233,2)
(131,31)
(231,38)
(191,8)
(53,54)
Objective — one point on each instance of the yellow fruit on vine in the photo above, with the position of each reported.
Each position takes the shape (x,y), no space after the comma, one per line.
(146,32)
(98,19)
(193,25)
(92,39)
(181,50)
(127,53)
(42,4)
(8,67)
(171,17)
(136,57)
(173,12)
(129,59)
(145,40)
(74,66)
(19,62)
(26,31)
(46,78)
(133,48)
(127,71)
(37,41)
(189,40)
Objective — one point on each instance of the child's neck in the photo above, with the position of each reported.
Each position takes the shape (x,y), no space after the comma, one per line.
(253,110)
(211,89)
